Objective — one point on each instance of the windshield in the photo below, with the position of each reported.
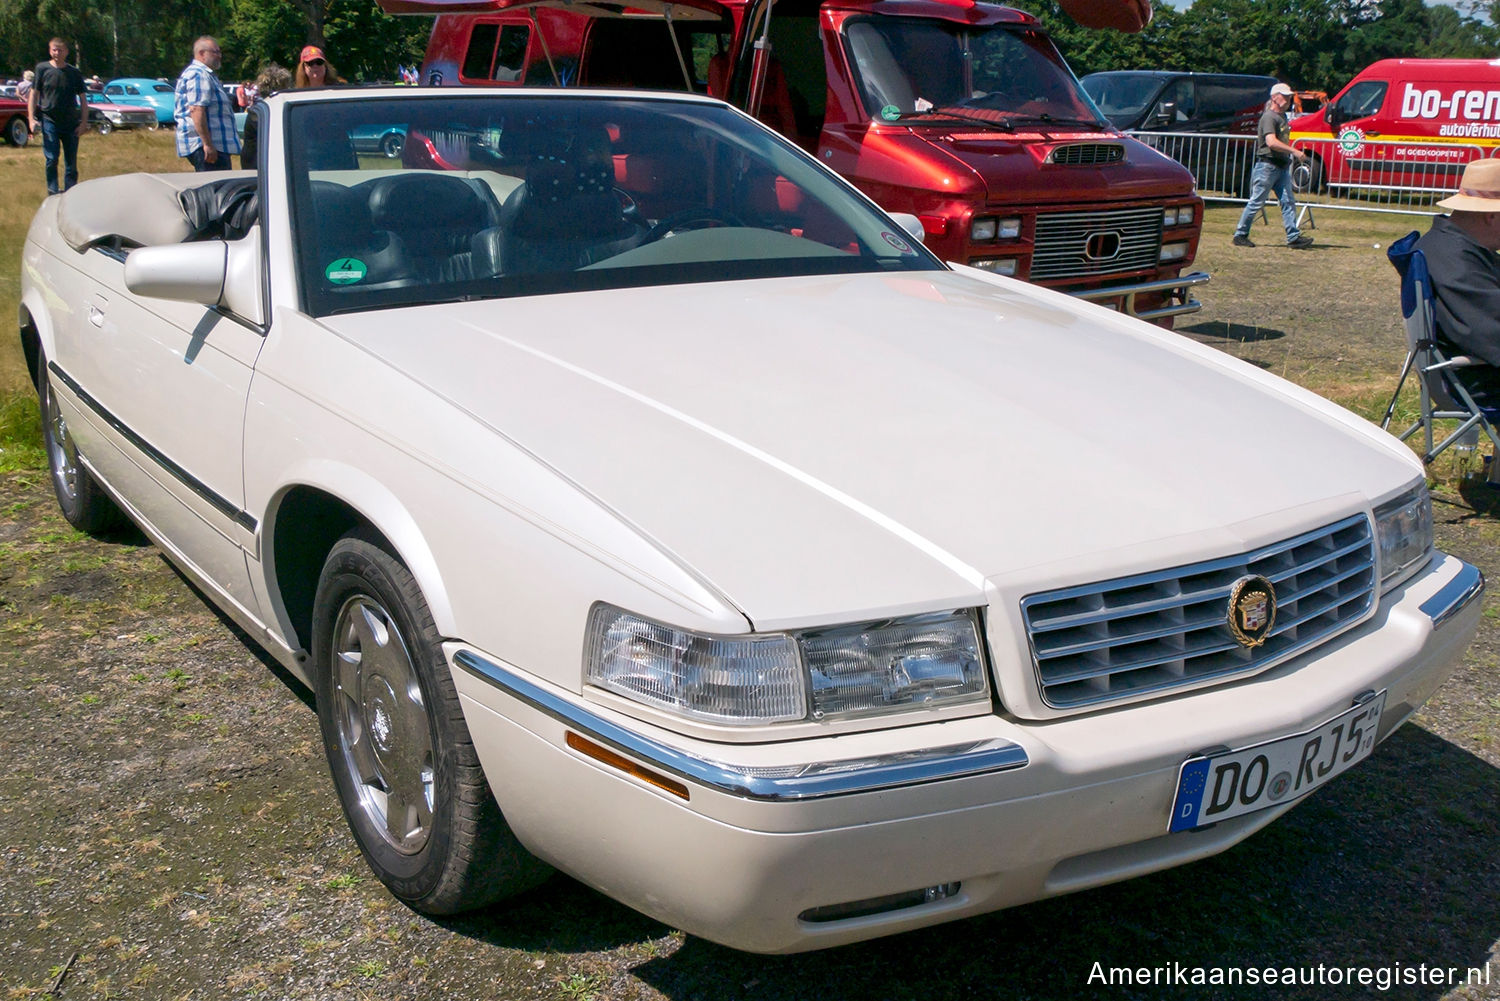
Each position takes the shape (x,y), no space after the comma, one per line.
(911,66)
(1121,96)
(489,196)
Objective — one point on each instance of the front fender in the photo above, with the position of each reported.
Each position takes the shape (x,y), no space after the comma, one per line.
(373,501)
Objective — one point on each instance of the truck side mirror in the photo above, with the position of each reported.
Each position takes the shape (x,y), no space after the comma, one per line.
(1164,115)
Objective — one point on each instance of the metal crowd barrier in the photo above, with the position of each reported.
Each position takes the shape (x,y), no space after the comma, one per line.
(1348,172)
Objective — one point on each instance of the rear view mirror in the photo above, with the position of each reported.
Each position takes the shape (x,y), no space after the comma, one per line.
(188,272)
(1165,114)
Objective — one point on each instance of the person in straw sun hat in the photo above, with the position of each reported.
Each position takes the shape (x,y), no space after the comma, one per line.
(1461,251)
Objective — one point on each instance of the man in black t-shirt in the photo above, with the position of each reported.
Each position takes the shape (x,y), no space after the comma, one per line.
(59,102)
(1273,159)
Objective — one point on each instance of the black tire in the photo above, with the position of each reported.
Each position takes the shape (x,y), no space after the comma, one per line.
(80,497)
(395,738)
(391,144)
(106,126)
(1307,176)
(17,131)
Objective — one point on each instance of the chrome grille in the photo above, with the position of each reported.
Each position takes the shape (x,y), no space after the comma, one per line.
(1063,242)
(1083,154)
(1156,632)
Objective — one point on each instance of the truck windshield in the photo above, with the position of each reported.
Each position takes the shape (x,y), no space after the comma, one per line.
(1121,96)
(912,66)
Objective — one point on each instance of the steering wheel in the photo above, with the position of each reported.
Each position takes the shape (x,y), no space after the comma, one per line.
(693,218)
(630,211)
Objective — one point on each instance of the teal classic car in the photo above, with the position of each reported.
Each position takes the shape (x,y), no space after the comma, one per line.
(155,94)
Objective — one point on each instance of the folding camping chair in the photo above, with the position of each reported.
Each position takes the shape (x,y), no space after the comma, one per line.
(1443,397)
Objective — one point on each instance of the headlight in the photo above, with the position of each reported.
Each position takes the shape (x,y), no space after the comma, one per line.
(1403,527)
(1173,251)
(754,679)
(921,660)
(997,265)
(749,680)
(1180,215)
(985,228)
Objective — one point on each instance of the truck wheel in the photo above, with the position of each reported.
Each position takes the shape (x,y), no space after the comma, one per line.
(1307,176)
(17,132)
(403,762)
(391,144)
(80,497)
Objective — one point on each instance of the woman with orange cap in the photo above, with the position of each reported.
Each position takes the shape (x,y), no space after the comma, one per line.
(314,69)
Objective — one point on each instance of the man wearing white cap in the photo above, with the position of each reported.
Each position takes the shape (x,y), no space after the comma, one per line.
(1465,270)
(1274,154)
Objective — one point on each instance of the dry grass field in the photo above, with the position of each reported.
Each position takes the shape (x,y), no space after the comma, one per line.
(168,829)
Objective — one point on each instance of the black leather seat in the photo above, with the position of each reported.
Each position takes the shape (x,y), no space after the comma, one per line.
(566,215)
(345,229)
(437,216)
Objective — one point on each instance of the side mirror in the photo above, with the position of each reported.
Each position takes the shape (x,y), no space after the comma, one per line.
(1165,114)
(1334,116)
(912,225)
(189,272)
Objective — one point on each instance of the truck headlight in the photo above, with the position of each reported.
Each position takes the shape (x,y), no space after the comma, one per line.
(996,265)
(1173,251)
(1403,529)
(760,678)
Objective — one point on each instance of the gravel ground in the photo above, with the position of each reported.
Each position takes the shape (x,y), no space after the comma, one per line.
(168,828)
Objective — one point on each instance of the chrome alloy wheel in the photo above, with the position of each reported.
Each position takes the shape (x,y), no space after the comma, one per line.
(60,448)
(383,729)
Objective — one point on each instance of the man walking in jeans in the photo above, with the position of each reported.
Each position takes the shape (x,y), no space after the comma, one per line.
(205,115)
(56,97)
(1273,160)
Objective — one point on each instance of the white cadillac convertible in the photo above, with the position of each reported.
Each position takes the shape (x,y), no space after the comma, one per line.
(640,500)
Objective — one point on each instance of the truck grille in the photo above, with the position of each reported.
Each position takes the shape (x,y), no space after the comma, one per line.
(1086,244)
(1160,631)
(1083,154)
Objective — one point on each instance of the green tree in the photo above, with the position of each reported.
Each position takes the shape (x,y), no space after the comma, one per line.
(361,40)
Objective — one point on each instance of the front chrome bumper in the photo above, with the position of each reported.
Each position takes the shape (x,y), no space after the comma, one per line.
(813,780)
(1179,288)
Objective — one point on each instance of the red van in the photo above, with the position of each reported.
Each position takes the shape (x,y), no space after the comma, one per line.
(959,112)
(1404,123)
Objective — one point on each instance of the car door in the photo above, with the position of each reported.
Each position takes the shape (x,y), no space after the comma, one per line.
(168,382)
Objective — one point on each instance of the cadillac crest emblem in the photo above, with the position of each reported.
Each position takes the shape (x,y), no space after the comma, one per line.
(1252,610)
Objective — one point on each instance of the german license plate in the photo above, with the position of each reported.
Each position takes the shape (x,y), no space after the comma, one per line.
(1223,786)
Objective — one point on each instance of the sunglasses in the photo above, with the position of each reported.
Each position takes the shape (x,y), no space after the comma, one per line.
(314,62)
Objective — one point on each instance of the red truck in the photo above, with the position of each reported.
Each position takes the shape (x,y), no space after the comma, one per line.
(1403,123)
(961,113)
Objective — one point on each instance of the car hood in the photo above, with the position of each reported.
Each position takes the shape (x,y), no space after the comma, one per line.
(857,446)
(1015,167)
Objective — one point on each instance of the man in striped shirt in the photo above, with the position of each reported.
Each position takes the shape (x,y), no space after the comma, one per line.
(205,115)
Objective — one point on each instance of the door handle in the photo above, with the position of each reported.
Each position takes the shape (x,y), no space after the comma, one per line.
(96,315)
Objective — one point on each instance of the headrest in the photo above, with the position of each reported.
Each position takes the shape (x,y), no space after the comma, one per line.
(224,209)
(424,199)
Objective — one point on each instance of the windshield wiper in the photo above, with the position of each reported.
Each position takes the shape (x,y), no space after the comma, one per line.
(1050,120)
(956,115)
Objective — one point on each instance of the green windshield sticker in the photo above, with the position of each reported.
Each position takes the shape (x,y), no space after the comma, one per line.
(890,112)
(346,271)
